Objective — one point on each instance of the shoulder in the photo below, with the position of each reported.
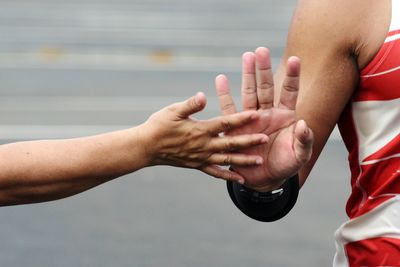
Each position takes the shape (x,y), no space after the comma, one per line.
(329,21)
(342,27)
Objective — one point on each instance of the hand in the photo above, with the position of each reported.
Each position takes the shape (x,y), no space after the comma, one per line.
(290,144)
(177,139)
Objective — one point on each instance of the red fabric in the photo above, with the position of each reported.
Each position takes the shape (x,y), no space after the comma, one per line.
(377,178)
(383,86)
(374,252)
(384,184)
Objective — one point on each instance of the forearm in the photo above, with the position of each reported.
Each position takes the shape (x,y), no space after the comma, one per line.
(46,170)
(40,171)
(330,72)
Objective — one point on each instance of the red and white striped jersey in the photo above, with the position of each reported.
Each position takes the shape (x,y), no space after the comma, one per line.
(370,127)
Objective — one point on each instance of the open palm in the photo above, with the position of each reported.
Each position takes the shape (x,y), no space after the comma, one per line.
(290,144)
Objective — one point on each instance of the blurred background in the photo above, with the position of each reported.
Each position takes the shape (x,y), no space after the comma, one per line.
(74,68)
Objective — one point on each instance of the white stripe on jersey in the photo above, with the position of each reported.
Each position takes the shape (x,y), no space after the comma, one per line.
(381,73)
(379,160)
(370,116)
(395,24)
(392,38)
(382,221)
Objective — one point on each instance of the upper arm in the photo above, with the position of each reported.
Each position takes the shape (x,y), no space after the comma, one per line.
(319,35)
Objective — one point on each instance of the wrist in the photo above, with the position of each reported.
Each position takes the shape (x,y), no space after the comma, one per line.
(141,142)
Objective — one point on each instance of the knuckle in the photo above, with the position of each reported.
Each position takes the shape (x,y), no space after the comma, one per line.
(265,85)
(266,104)
(255,140)
(217,173)
(229,144)
(192,165)
(291,86)
(227,160)
(223,93)
(172,108)
(196,132)
(229,176)
(249,90)
(226,125)
(228,106)
(191,103)
(192,157)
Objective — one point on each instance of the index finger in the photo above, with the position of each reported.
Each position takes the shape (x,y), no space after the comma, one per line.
(224,95)
(230,122)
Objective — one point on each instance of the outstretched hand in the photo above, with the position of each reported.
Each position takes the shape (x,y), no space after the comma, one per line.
(177,139)
(290,144)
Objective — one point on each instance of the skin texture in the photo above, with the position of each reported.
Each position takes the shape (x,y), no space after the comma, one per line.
(333,47)
(332,58)
(291,141)
(46,170)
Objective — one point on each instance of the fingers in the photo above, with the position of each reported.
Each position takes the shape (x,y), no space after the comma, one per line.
(227,159)
(190,106)
(231,143)
(230,122)
(249,86)
(224,96)
(221,173)
(290,86)
(265,79)
(303,142)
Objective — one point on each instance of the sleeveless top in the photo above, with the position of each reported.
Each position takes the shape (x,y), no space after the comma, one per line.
(370,128)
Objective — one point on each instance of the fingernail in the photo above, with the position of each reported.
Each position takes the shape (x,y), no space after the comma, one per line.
(196,99)
(306,129)
(241,181)
(265,139)
(259,161)
(200,99)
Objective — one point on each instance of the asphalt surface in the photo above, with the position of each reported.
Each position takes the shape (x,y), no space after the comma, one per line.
(73,68)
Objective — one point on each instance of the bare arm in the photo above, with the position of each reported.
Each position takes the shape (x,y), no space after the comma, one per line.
(334,41)
(333,45)
(45,170)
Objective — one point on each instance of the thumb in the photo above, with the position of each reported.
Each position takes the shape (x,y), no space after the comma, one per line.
(192,105)
(303,142)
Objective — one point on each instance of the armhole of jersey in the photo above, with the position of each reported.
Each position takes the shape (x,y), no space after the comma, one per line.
(377,61)
(383,52)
